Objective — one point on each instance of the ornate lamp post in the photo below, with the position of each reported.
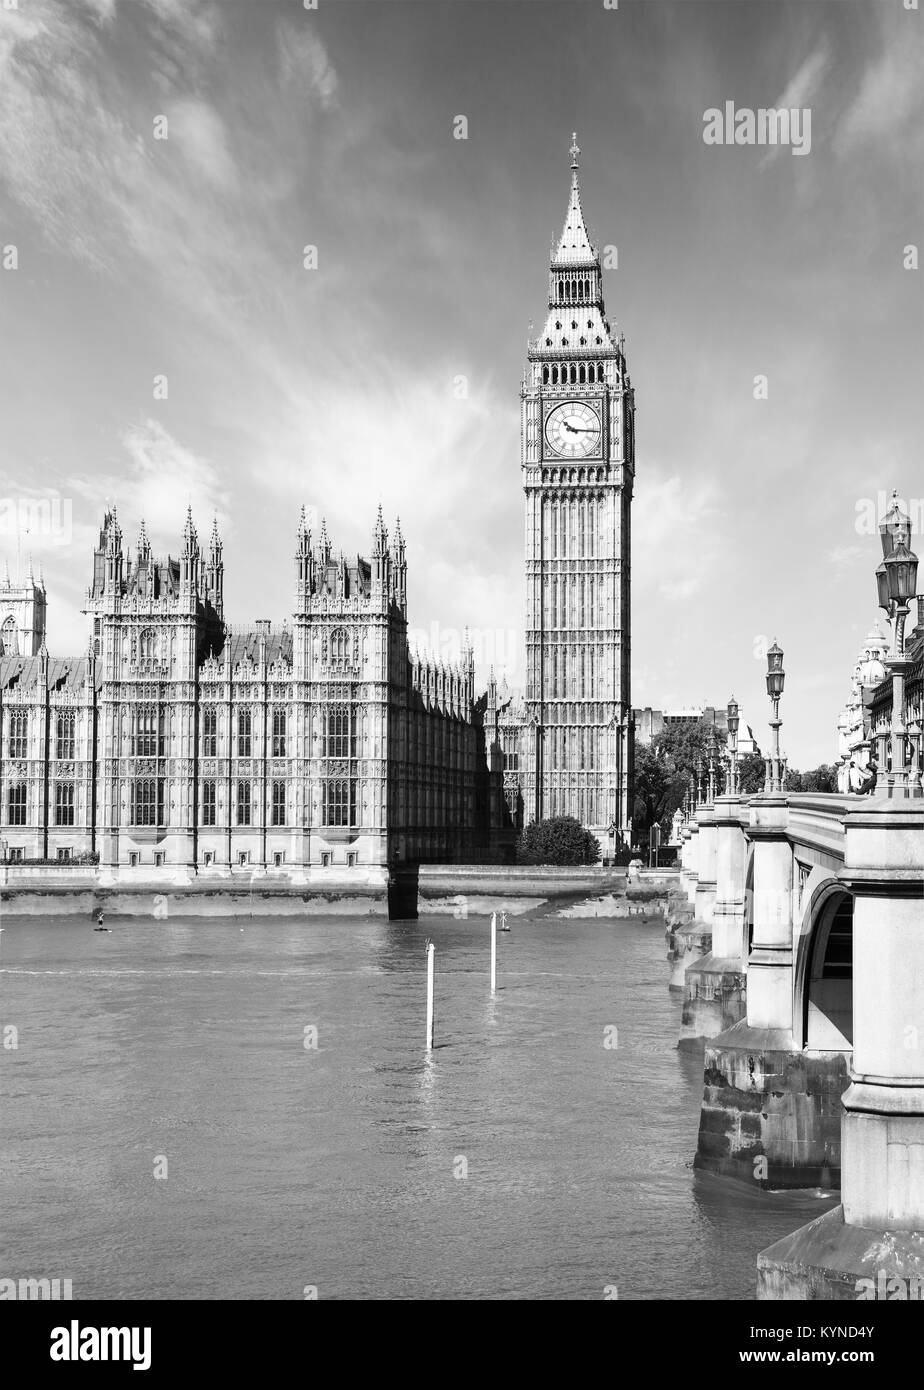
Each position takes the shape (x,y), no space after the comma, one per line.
(699,779)
(775,678)
(897,586)
(710,747)
(733,720)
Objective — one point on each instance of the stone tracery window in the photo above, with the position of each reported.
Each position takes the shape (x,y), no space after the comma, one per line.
(64,735)
(339,646)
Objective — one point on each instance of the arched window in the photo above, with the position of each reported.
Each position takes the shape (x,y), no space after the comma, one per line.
(339,802)
(554,376)
(573,374)
(210,733)
(64,735)
(339,646)
(338,742)
(599,371)
(147,739)
(19,733)
(147,801)
(545,376)
(17,804)
(279,733)
(147,645)
(582,375)
(9,638)
(64,803)
(244,737)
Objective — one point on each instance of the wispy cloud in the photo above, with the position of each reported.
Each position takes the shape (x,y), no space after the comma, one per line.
(304,62)
(675,539)
(159,478)
(801,91)
(888,108)
(203,138)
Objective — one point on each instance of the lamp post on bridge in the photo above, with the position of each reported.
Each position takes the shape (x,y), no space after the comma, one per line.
(710,746)
(896,581)
(775,678)
(699,780)
(733,720)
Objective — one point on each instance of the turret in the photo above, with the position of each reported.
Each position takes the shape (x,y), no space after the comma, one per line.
(399,568)
(304,562)
(189,560)
(323,551)
(111,539)
(215,572)
(143,569)
(381,561)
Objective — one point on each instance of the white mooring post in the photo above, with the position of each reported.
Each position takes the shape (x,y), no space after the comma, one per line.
(493,952)
(431,955)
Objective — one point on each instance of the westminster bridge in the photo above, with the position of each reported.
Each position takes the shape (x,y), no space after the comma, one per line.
(802,966)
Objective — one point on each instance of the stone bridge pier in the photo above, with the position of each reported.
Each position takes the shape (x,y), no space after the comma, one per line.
(698,855)
(714,984)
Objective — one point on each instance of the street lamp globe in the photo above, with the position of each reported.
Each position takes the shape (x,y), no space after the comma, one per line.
(775,672)
(732,716)
(902,569)
(894,527)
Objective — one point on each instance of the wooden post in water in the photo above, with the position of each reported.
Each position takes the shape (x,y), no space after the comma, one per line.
(493,952)
(431,954)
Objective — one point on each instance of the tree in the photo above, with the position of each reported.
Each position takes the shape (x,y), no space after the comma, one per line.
(663,769)
(653,785)
(557,840)
(821,779)
(752,774)
(683,743)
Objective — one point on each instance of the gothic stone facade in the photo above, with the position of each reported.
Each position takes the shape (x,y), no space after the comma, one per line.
(176,744)
(566,747)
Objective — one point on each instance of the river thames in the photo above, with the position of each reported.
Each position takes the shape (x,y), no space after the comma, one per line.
(526,1158)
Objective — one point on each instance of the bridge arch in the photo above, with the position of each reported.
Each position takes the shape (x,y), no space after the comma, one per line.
(823,983)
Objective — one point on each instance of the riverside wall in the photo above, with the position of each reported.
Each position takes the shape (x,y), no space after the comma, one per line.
(435,890)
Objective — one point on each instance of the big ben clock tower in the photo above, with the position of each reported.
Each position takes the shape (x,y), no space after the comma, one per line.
(578,460)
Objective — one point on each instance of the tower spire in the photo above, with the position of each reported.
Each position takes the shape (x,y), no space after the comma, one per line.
(574,245)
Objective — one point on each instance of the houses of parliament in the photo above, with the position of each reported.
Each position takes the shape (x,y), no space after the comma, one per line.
(174,742)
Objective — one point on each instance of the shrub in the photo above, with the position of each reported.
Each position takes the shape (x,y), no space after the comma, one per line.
(558,840)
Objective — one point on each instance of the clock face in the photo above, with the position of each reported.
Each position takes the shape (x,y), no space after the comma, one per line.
(572,430)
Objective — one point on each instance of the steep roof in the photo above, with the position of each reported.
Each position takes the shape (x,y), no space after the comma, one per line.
(574,245)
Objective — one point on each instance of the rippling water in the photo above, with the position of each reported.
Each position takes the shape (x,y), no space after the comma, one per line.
(335,1167)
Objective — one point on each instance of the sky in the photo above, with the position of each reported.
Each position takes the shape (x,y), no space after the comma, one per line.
(390,371)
